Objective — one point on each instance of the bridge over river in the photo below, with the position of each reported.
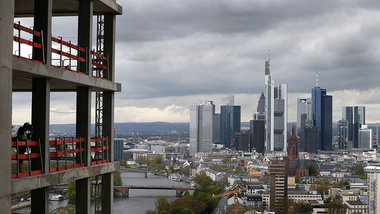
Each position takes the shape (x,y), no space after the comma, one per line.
(123,191)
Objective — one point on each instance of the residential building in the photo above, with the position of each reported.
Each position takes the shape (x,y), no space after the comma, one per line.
(229,122)
(278,170)
(322,117)
(373,182)
(201,129)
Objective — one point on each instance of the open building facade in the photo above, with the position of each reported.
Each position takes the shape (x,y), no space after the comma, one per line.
(82,69)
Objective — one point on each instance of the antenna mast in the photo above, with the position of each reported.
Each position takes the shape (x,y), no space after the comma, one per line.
(317,80)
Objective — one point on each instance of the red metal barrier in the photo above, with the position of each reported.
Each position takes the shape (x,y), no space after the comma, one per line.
(99,62)
(63,147)
(28,156)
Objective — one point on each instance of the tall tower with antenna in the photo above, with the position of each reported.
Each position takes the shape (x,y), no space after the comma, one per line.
(276,102)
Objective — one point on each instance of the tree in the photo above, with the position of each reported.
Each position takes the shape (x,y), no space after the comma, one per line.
(117,179)
(320,186)
(162,204)
(297,179)
(141,160)
(358,170)
(188,201)
(181,210)
(203,180)
(312,170)
(222,183)
(336,206)
(210,202)
(71,192)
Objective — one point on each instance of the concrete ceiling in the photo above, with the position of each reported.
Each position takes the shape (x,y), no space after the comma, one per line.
(25,8)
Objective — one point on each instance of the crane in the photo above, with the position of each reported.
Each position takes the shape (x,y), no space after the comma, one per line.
(235,192)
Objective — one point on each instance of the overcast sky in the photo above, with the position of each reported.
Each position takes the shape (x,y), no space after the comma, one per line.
(172,53)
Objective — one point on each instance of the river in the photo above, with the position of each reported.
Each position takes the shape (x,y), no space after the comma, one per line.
(139,201)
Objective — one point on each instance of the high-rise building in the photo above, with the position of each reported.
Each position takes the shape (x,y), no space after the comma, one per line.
(216,128)
(343,133)
(276,113)
(365,137)
(303,107)
(278,170)
(308,137)
(229,122)
(257,128)
(359,120)
(118,148)
(242,141)
(348,114)
(322,117)
(201,129)
(261,104)
(373,183)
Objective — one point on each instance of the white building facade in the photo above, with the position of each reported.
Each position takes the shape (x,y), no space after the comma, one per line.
(201,127)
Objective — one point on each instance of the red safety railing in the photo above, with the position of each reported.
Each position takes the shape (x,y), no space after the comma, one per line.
(100,151)
(65,55)
(22,147)
(65,153)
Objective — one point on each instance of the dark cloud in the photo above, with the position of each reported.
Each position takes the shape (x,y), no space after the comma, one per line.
(172,48)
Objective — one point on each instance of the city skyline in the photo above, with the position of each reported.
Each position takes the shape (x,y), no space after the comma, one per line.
(164,66)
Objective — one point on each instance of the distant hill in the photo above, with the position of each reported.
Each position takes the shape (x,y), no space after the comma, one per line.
(161,127)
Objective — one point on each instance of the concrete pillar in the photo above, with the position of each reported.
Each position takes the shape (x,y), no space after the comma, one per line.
(6,31)
(109,44)
(42,22)
(85,34)
(83,121)
(40,200)
(83,196)
(83,130)
(108,126)
(40,122)
(108,120)
(107,193)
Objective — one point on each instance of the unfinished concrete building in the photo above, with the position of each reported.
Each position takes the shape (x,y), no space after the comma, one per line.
(82,69)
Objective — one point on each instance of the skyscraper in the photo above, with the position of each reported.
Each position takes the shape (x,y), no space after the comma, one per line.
(348,114)
(322,117)
(229,122)
(303,107)
(365,137)
(201,127)
(257,128)
(261,104)
(343,133)
(276,113)
(359,120)
(216,128)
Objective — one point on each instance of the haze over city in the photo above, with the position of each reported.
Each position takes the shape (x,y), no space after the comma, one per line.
(170,54)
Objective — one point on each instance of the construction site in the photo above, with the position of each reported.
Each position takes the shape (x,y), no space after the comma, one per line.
(33,60)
